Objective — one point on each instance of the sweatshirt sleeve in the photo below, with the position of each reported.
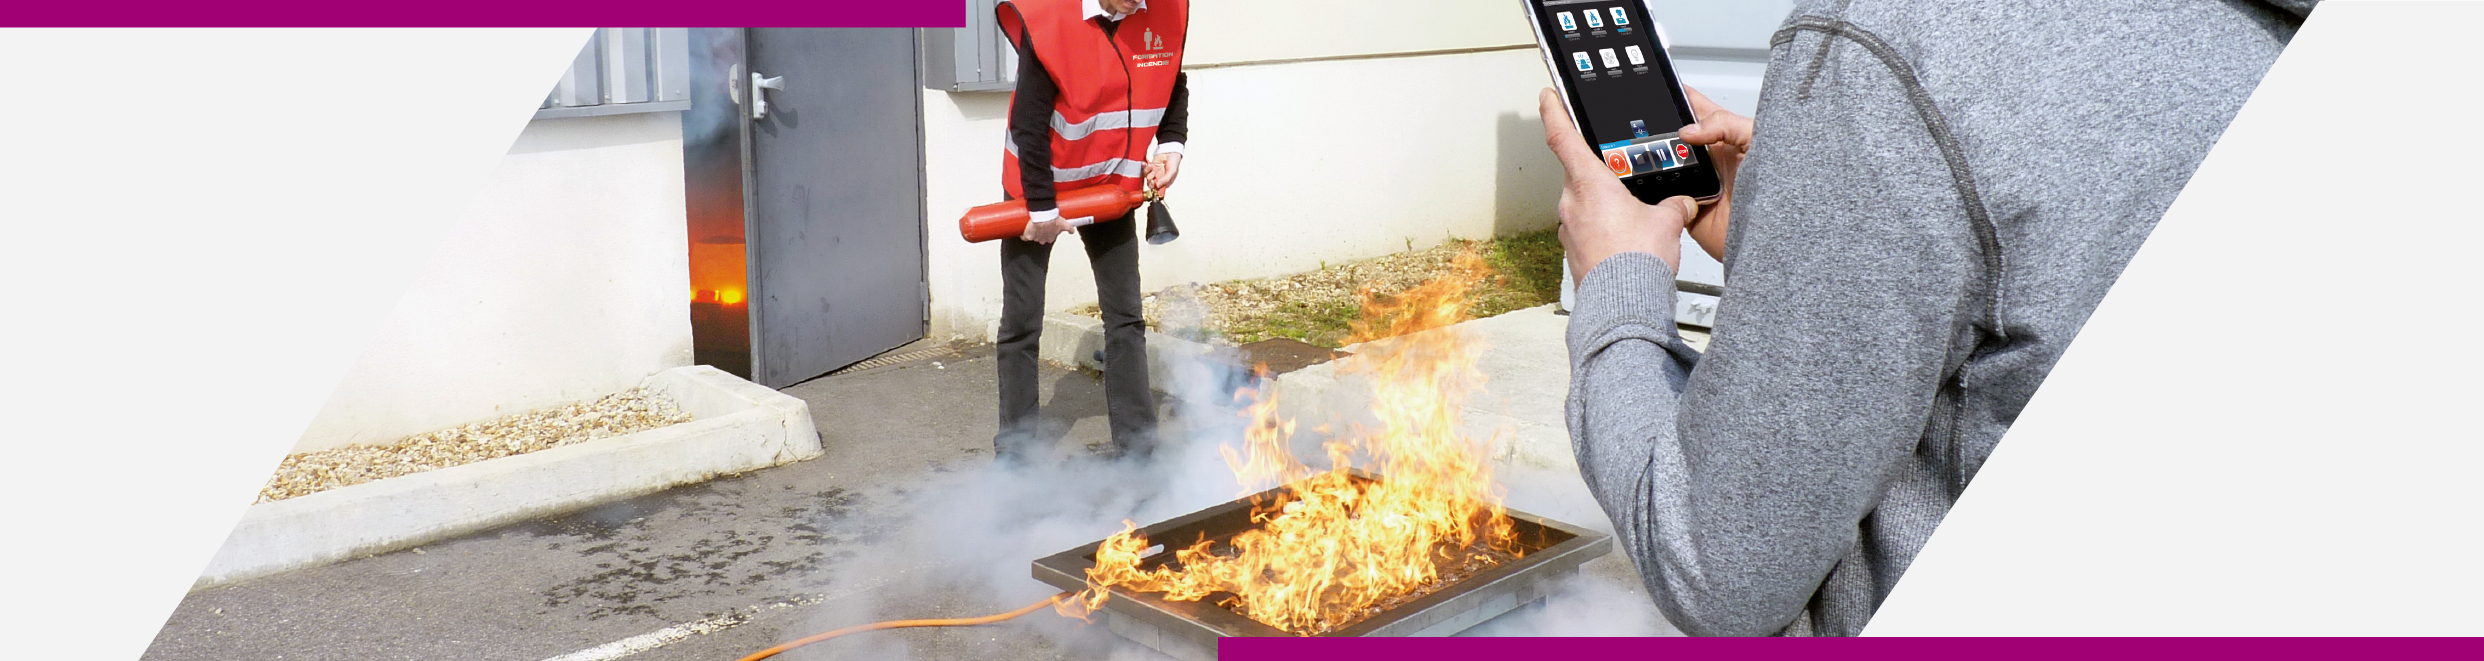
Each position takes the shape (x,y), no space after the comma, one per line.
(1030,129)
(1174,132)
(2299,8)
(1737,479)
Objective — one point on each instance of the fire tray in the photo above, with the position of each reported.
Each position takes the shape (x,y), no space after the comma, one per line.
(1188,630)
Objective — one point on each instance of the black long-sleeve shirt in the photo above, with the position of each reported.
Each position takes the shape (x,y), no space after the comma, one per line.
(1030,120)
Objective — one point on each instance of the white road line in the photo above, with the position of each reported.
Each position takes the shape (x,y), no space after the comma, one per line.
(676,633)
(734,618)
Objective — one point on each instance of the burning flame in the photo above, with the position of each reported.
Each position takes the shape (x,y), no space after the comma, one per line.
(1341,548)
(720,296)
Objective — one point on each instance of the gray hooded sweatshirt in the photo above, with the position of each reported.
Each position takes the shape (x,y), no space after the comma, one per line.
(1939,193)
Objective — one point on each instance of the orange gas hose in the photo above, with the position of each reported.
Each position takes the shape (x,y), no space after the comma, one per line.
(901,624)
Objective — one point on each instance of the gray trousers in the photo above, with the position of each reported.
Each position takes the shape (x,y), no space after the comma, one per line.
(1112,250)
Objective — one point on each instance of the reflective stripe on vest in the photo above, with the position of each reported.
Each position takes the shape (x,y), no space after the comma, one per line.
(1061,175)
(1065,129)
(1104,122)
(1113,87)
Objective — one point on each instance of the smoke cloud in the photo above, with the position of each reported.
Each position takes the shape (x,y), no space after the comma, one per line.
(962,545)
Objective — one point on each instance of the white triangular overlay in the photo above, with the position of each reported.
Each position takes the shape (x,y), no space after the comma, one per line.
(202,230)
(2269,426)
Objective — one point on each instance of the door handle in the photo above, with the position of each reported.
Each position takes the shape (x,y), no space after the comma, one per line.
(759,85)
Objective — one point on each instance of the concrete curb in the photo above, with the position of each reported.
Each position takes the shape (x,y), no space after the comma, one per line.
(736,426)
(1172,363)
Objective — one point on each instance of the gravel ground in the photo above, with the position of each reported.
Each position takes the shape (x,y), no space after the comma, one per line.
(627,412)
(1314,306)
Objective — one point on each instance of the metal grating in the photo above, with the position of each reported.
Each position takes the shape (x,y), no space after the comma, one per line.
(893,359)
(1188,630)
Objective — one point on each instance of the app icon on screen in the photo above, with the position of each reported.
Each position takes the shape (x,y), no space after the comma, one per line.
(1595,19)
(1682,152)
(1568,24)
(1636,58)
(1584,64)
(1643,158)
(1620,18)
(1638,128)
(1618,161)
(1664,155)
(1611,61)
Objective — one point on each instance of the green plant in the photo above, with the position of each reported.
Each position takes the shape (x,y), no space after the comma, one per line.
(1322,323)
(1531,262)
(1317,307)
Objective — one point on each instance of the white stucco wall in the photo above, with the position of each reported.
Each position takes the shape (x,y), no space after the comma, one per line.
(1222,31)
(567,279)
(1382,143)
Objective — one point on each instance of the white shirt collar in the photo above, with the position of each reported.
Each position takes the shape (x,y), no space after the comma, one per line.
(1095,9)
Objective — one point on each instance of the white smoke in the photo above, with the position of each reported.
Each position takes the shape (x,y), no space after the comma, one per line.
(964,544)
(1605,598)
(1583,605)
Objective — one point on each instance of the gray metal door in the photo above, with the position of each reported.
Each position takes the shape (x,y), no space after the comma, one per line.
(836,199)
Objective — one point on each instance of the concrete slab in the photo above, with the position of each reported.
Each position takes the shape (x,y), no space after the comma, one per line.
(1524,362)
(1526,370)
(1072,340)
(737,426)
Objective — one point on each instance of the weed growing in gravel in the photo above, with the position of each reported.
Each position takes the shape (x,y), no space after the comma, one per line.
(1314,307)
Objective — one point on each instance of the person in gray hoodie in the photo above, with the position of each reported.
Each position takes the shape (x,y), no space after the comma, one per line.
(1935,197)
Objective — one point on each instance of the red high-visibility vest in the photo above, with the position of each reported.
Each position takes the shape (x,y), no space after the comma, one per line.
(1113,89)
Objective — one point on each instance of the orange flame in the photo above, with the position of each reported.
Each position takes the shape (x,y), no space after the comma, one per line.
(1341,549)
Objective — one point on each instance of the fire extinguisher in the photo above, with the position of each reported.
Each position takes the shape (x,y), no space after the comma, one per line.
(1008,219)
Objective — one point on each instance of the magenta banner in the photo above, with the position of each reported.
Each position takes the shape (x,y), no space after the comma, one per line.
(485,13)
(1813,649)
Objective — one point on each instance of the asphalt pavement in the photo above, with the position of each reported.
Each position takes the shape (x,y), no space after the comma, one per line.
(743,562)
(905,517)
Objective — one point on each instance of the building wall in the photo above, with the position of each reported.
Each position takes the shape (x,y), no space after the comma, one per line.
(1413,122)
(567,279)
(1224,32)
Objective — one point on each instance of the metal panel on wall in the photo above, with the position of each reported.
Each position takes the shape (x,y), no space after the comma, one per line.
(624,70)
(582,83)
(974,58)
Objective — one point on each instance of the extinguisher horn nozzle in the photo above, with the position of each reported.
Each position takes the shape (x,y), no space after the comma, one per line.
(1160,229)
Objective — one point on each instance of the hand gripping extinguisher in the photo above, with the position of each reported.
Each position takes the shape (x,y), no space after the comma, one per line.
(1008,219)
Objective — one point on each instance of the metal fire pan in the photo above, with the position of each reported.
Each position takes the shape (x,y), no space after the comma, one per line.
(1185,628)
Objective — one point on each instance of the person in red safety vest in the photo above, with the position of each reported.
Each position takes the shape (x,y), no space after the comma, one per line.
(1100,101)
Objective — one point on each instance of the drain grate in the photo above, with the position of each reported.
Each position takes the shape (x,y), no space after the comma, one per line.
(894,359)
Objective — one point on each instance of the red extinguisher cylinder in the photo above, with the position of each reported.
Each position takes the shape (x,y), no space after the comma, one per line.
(1008,219)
